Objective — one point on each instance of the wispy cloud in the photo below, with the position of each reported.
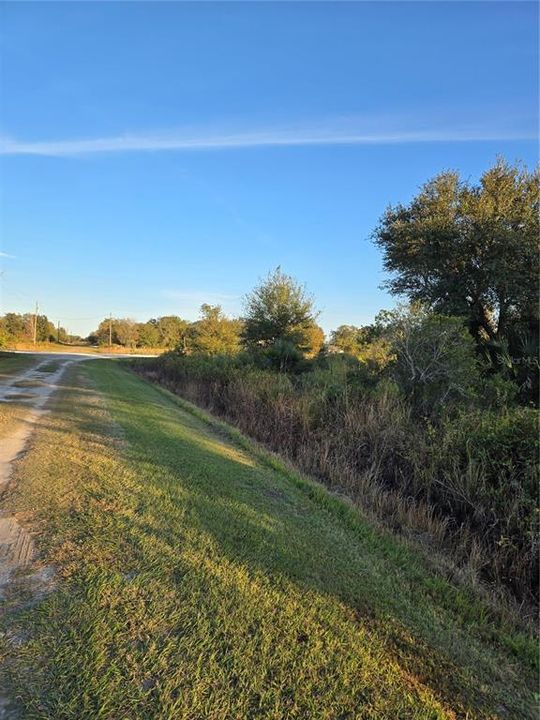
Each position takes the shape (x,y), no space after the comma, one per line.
(6,255)
(183,141)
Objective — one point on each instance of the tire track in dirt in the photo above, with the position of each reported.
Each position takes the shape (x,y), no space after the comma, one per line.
(31,389)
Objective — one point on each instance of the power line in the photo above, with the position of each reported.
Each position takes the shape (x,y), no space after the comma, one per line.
(35,322)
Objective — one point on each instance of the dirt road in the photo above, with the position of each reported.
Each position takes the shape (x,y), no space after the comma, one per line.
(29,390)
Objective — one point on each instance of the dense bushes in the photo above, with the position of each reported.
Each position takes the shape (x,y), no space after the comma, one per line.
(460,477)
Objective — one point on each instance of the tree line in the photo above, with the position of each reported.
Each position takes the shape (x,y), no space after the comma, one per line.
(456,250)
(25,327)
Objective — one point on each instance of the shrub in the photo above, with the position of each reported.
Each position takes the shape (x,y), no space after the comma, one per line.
(435,360)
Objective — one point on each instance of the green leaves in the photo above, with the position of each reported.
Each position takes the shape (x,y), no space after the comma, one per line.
(468,250)
(279,310)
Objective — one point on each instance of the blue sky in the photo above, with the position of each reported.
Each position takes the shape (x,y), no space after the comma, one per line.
(155,156)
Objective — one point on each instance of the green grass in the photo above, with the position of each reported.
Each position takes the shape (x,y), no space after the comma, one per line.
(198,578)
(12,363)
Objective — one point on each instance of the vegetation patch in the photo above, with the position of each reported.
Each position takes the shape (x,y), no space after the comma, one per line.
(197,578)
(50,367)
(13,363)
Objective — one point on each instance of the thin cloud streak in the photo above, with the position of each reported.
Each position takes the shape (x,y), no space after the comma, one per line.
(280,138)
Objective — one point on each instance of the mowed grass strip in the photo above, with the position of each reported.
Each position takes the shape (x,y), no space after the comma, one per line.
(13,363)
(196,581)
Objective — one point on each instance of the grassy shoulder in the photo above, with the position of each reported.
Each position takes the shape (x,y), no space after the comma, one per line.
(12,363)
(198,578)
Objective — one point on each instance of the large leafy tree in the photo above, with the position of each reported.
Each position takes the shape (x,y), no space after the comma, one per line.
(469,250)
(277,311)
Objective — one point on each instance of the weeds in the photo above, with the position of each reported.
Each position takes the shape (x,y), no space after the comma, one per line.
(465,485)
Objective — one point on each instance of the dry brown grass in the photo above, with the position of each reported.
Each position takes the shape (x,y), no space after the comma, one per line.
(373,452)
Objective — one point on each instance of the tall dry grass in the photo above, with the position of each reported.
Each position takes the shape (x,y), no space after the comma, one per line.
(426,482)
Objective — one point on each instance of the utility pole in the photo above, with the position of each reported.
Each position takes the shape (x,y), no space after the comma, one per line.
(58,332)
(110,330)
(35,322)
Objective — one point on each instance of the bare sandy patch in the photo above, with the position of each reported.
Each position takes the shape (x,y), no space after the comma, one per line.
(16,546)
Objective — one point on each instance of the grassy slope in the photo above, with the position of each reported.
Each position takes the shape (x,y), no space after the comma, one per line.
(196,581)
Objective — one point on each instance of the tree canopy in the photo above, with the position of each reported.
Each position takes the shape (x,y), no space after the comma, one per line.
(213,334)
(469,250)
(279,310)
(16,327)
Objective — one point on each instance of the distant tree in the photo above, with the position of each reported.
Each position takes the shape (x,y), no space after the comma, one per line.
(148,335)
(313,340)
(367,344)
(171,329)
(279,310)
(470,251)
(163,332)
(346,339)
(119,331)
(127,332)
(101,335)
(213,334)
(29,326)
(20,328)
(61,334)
(45,329)
(4,335)
(16,327)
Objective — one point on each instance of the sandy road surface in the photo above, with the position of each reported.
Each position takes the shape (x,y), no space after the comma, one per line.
(30,390)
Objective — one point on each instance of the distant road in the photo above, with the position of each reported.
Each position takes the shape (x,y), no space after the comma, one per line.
(68,355)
